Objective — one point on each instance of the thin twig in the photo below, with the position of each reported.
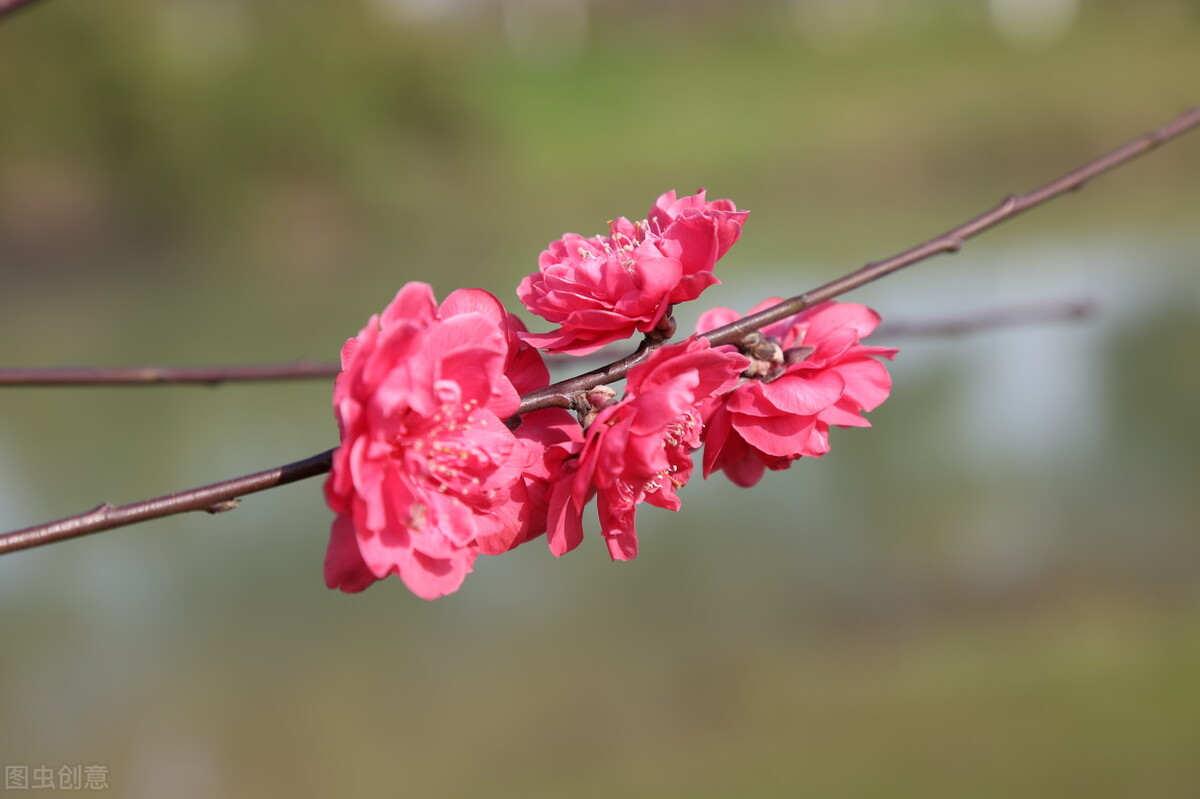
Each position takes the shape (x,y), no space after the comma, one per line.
(166,375)
(107,376)
(217,495)
(960,325)
(214,498)
(988,320)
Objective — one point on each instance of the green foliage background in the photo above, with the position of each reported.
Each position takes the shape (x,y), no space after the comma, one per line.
(993,592)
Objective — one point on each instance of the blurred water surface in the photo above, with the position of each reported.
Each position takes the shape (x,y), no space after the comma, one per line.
(992,592)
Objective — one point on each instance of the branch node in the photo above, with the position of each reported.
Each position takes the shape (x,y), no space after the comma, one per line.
(101,510)
(222,506)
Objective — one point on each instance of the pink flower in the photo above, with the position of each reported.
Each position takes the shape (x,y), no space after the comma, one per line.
(698,233)
(813,373)
(606,288)
(639,450)
(426,467)
(553,435)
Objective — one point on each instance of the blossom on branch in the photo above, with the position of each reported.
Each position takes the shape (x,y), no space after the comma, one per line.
(606,288)
(639,449)
(809,371)
(435,469)
(427,470)
(551,435)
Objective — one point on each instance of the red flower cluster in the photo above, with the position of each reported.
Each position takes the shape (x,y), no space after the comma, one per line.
(434,468)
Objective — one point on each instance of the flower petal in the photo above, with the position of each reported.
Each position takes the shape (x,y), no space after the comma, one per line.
(344,566)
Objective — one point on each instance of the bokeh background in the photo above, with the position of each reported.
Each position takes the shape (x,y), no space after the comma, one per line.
(991,593)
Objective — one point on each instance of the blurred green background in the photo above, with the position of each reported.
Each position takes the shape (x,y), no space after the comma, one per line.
(992,593)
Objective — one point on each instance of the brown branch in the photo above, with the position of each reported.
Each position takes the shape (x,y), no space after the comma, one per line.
(164,375)
(1014,316)
(214,498)
(950,241)
(218,496)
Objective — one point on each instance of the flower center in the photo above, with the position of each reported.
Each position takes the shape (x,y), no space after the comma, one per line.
(679,439)
(444,450)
